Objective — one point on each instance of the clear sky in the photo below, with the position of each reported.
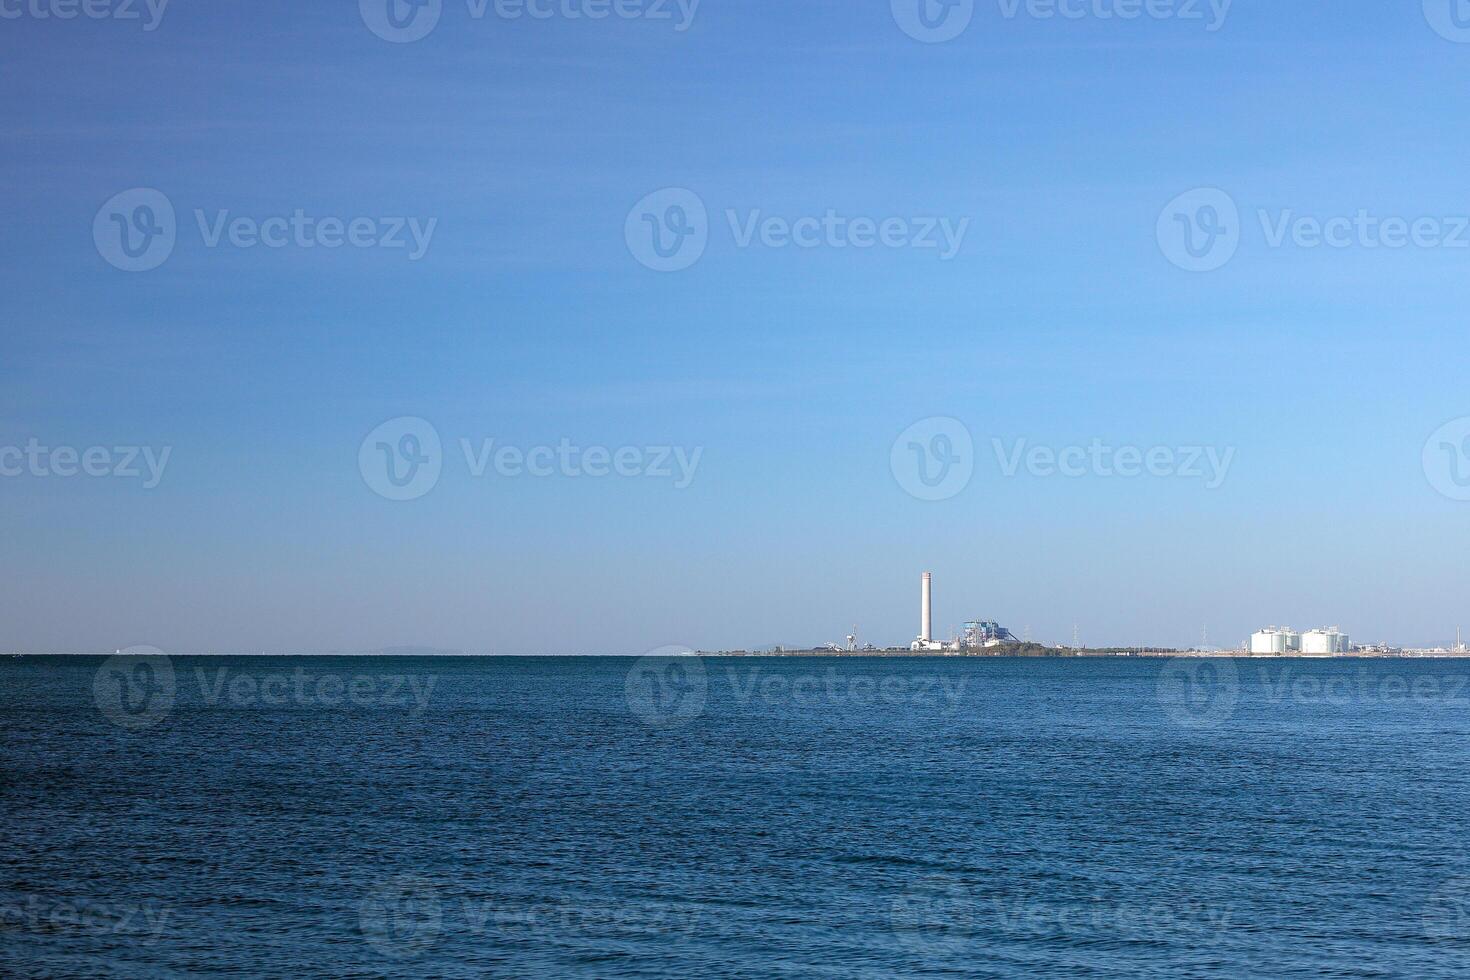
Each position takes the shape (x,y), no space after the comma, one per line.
(523,148)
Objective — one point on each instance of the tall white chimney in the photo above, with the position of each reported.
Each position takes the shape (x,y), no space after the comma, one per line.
(926,610)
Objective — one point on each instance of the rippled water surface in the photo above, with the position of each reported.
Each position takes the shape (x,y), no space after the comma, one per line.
(734,817)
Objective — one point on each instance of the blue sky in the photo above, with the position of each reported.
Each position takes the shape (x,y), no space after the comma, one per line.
(530,320)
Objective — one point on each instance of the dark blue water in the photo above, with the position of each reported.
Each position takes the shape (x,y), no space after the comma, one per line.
(734,818)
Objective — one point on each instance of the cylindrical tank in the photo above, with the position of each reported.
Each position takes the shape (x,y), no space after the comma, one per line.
(1325,642)
(1273,642)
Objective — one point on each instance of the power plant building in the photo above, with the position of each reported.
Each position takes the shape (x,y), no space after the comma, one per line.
(979,635)
(976,635)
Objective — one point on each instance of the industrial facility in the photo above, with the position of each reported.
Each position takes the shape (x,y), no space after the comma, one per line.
(1283,641)
(974,635)
(984,634)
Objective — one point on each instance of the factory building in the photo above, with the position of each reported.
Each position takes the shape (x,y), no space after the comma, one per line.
(1282,641)
(975,635)
(980,635)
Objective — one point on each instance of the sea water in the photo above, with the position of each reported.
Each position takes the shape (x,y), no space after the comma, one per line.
(734,817)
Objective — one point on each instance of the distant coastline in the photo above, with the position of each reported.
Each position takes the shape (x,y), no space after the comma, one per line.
(1036,650)
(1008,651)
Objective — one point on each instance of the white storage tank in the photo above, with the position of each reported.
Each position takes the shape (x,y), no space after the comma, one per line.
(1275,642)
(1267,642)
(1325,642)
